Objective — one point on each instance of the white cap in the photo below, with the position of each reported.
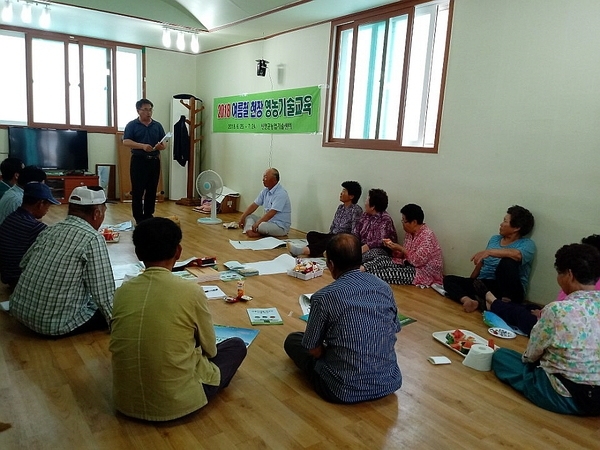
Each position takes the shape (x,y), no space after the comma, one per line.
(82,195)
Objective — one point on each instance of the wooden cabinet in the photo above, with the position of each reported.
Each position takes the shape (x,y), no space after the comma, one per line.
(62,186)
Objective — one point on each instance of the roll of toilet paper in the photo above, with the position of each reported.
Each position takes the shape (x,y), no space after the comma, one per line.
(479,358)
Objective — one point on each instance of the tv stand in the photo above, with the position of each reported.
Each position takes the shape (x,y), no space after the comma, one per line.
(62,185)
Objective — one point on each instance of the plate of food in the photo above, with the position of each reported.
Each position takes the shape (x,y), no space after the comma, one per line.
(461,341)
(502,333)
(110,236)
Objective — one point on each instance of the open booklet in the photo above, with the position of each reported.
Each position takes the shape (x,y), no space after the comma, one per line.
(225,332)
(304,301)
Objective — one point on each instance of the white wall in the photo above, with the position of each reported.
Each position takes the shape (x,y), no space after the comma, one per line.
(519,127)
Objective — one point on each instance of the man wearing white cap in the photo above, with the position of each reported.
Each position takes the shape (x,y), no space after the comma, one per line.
(21,228)
(67,284)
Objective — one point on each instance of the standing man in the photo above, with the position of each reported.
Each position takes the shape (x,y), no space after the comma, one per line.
(347,351)
(277,218)
(67,284)
(21,228)
(143,136)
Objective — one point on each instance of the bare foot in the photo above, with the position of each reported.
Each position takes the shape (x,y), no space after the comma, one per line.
(489,299)
(470,305)
(253,234)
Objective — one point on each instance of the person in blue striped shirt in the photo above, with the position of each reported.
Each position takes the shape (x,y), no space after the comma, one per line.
(347,351)
(21,228)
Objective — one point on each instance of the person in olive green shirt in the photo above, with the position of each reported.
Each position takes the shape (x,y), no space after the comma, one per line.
(165,359)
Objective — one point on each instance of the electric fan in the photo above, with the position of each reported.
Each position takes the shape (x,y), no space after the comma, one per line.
(209,184)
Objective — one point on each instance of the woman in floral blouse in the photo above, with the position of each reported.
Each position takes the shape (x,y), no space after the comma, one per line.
(418,261)
(560,369)
(375,225)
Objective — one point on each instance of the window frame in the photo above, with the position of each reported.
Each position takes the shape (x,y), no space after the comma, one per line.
(354,22)
(30,34)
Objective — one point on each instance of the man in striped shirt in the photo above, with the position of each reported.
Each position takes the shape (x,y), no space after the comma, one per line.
(347,351)
(67,284)
(20,229)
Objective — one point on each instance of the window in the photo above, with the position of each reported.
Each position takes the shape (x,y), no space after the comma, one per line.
(74,82)
(13,88)
(387,77)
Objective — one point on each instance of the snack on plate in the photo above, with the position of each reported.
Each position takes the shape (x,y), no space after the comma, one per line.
(459,341)
(109,234)
(306,267)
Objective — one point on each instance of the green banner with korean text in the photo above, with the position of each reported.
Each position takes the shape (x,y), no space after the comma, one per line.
(288,111)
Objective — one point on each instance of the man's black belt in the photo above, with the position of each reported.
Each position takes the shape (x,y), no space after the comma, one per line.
(146,156)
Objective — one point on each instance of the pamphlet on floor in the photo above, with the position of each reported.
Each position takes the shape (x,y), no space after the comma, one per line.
(225,332)
(213,292)
(264,316)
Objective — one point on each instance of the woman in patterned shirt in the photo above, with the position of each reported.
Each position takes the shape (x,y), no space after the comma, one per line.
(418,261)
(560,369)
(375,225)
(345,218)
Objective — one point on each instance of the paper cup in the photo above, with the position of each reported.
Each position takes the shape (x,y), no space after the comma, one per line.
(479,358)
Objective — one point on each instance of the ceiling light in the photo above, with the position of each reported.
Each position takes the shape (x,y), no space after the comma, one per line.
(166,39)
(7,11)
(26,12)
(180,41)
(195,44)
(45,18)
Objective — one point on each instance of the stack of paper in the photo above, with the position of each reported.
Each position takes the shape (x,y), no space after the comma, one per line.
(213,292)
(204,274)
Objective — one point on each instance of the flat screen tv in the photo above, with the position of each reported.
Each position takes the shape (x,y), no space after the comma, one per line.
(49,148)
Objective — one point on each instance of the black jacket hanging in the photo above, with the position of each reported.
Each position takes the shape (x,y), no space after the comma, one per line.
(181,142)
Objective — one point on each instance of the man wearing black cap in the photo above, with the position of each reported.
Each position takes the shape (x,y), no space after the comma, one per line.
(20,229)
(67,284)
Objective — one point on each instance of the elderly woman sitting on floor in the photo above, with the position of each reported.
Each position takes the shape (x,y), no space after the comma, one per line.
(560,369)
(375,226)
(418,261)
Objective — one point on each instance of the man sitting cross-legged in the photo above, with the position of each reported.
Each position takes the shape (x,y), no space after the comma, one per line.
(166,362)
(347,351)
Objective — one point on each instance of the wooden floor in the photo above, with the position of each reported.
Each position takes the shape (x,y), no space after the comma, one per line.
(57,393)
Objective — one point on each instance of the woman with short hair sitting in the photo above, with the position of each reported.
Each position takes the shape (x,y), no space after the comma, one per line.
(375,225)
(560,369)
(418,261)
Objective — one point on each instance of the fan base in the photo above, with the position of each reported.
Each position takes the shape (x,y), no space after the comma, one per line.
(209,221)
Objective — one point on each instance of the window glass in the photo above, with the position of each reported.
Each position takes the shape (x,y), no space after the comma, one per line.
(388,93)
(48,81)
(96,79)
(390,109)
(129,83)
(74,86)
(13,100)
(342,83)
